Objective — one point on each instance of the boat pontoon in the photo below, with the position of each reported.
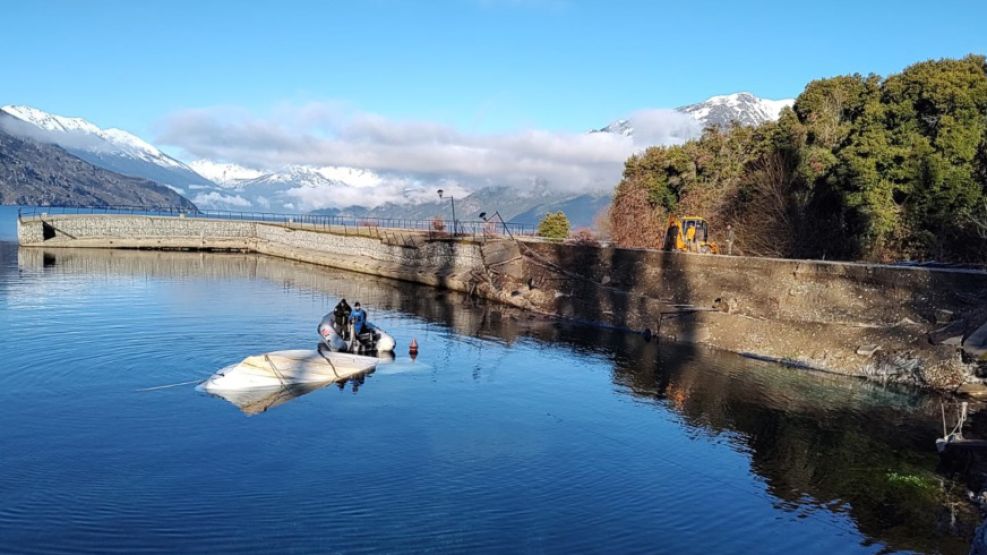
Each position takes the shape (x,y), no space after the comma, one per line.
(340,338)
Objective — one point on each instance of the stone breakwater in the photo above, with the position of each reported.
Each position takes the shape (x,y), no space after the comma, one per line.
(914,325)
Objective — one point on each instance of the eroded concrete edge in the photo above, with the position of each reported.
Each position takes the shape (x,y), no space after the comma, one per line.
(853,319)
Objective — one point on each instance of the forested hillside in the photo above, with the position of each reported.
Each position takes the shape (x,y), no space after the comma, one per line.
(862,167)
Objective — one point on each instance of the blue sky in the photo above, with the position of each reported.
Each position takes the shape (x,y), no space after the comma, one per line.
(480,66)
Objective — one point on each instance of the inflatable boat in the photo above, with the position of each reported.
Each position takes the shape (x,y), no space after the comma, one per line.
(340,338)
(289,368)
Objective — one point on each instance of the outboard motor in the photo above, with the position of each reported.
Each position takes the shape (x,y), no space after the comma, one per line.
(383,342)
(374,339)
(338,338)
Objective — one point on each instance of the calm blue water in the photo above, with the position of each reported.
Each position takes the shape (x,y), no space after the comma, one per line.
(8,223)
(506,434)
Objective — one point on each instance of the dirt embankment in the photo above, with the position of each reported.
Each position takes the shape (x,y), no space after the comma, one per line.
(911,325)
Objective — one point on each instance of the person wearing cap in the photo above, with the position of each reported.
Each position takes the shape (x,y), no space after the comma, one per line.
(358,318)
(341,314)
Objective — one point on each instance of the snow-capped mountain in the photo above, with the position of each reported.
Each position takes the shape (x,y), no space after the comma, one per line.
(354,191)
(224,175)
(743,108)
(112,149)
(719,111)
(33,172)
(619,127)
(293,187)
(366,194)
(315,176)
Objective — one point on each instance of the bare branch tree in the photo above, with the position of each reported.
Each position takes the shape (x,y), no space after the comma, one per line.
(770,221)
(633,221)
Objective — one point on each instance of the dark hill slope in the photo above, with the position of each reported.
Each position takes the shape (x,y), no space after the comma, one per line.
(36,173)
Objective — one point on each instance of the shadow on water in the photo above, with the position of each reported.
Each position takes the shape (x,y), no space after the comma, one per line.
(259,400)
(819,442)
(605,297)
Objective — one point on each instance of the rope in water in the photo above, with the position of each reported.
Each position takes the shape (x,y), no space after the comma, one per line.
(157,387)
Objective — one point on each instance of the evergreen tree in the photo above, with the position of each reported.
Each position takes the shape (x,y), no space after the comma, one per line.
(554,225)
(859,168)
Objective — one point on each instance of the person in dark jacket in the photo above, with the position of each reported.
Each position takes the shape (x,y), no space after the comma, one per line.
(341,315)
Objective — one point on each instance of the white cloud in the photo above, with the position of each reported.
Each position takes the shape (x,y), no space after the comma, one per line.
(215,200)
(363,150)
(382,191)
(663,127)
(77,139)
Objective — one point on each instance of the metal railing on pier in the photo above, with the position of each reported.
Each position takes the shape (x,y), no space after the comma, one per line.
(434,228)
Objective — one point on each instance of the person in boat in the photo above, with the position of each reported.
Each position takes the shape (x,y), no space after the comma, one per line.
(341,315)
(358,317)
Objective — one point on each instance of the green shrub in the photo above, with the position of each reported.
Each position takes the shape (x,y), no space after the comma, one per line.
(555,225)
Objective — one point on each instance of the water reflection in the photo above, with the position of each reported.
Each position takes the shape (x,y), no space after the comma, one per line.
(819,443)
(461,314)
(261,399)
(257,400)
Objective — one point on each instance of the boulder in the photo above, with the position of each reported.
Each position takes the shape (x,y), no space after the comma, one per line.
(950,334)
(868,350)
(943,316)
(975,344)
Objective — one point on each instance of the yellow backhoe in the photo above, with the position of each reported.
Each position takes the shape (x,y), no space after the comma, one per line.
(689,234)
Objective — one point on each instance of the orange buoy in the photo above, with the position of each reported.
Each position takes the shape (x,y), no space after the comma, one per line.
(413,348)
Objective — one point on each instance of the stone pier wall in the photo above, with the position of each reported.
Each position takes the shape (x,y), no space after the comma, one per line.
(893,323)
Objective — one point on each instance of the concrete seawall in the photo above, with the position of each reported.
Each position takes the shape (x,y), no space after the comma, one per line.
(882,322)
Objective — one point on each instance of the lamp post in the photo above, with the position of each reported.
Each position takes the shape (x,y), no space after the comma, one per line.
(453,200)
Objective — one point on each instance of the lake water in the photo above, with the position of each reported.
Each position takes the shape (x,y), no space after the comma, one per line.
(506,434)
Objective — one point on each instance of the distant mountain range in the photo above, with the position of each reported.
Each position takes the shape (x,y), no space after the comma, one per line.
(112,149)
(38,173)
(57,145)
(719,111)
(290,188)
(520,207)
(236,186)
